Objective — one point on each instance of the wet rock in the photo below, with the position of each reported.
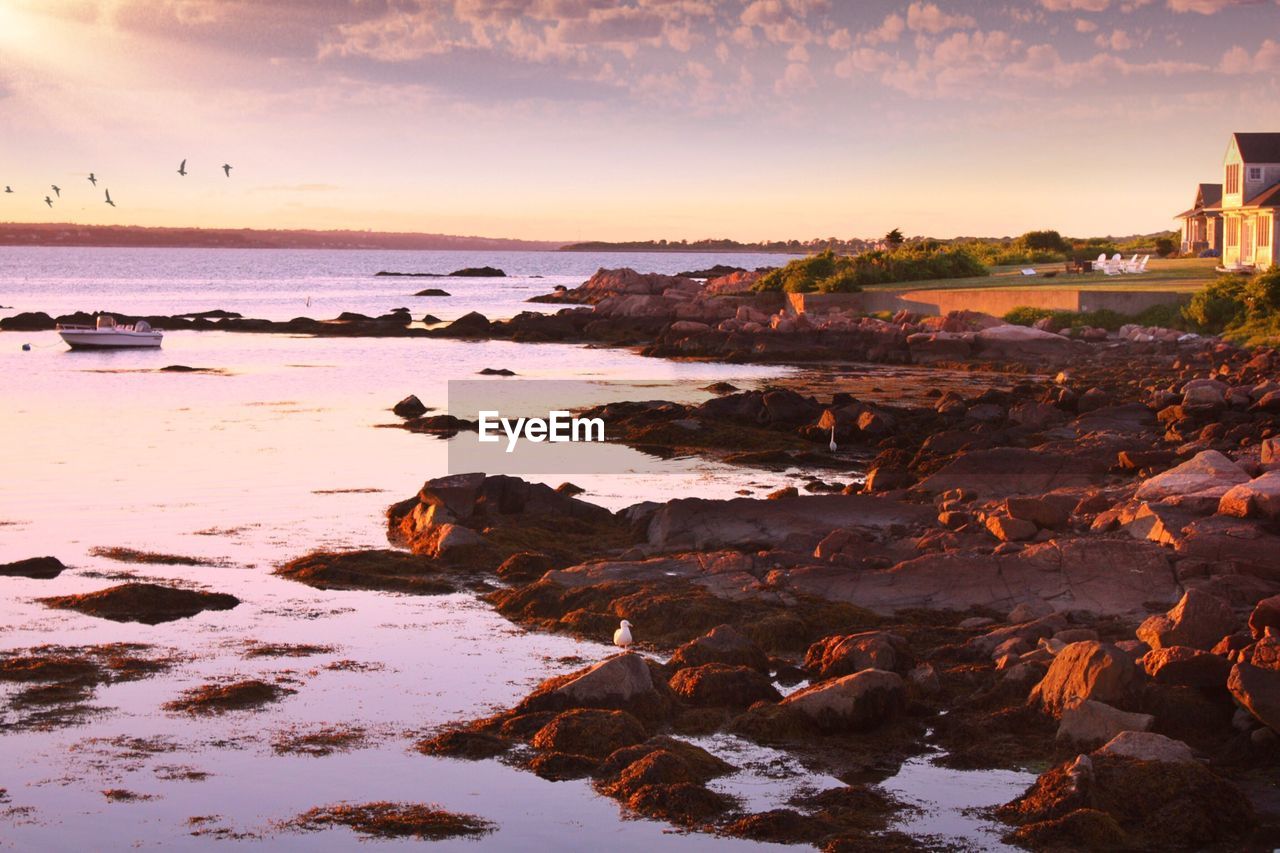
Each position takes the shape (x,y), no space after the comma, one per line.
(1258,498)
(656,767)
(591,732)
(1004,471)
(835,656)
(525,566)
(1148,746)
(722,644)
(472,324)
(37,568)
(394,820)
(720,685)
(1257,689)
(1092,723)
(394,571)
(701,765)
(220,697)
(626,682)
(683,803)
(855,702)
(1266,614)
(432,291)
(409,407)
(1082,671)
(496,371)
(1198,620)
(1186,667)
(147,603)
(561,766)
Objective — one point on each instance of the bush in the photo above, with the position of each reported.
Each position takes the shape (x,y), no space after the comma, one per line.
(1165,247)
(1165,316)
(1219,305)
(1262,293)
(1025,315)
(827,272)
(1044,241)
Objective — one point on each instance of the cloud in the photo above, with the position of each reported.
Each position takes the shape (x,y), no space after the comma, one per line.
(797,78)
(1075,5)
(1208,7)
(1083,25)
(928,18)
(1238,60)
(890,30)
(610,26)
(1118,40)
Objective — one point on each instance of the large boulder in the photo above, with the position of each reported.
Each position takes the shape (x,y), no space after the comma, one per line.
(1004,471)
(1020,343)
(1186,667)
(1199,620)
(1082,671)
(722,644)
(589,731)
(832,657)
(1149,746)
(1091,723)
(1258,498)
(1266,615)
(624,682)
(1209,474)
(38,568)
(855,702)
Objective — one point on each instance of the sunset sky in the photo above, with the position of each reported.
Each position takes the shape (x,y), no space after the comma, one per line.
(637,119)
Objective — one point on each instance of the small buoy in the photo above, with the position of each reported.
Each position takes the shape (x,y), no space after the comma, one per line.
(26,347)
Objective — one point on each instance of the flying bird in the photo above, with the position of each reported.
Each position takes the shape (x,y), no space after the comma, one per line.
(48,201)
(182,169)
(93,180)
(109,201)
(57,190)
(226,168)
(622,636)
(8,188)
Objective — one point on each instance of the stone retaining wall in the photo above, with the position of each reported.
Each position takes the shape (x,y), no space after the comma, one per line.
(996,302)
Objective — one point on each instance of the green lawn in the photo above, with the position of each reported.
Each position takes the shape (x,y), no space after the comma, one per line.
(1180,274)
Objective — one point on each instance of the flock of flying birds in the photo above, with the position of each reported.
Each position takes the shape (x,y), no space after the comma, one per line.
(93,179)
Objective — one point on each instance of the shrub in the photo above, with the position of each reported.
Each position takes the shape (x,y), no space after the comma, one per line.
(1044,241)
(1025,315)
(1262,293)
(1220,304)
(827,272)
(1165,247)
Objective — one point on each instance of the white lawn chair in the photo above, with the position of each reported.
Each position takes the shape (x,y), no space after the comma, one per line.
(1100,265)
(1142,264)
(1131,265)
(1115,266)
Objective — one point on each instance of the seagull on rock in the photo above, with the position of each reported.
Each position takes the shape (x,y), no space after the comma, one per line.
(93,179)
(622,637)
(57,190)
(833,445)
(226,167)
(48,201)
(109,201)
(182,168)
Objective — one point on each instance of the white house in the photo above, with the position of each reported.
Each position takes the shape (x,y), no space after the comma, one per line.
(1251,200)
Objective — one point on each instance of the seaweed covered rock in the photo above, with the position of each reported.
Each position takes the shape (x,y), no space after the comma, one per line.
(720,685)
(1107,801)
(591,732)
(147,603)
(835,656)
(384,569)
(37,568)
(625,682)
(722,644)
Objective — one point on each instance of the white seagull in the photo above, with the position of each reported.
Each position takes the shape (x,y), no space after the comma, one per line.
(622,637)
(109,201)
(832,445)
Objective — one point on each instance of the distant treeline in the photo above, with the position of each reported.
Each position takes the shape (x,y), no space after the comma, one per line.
(53,234)
(791,247)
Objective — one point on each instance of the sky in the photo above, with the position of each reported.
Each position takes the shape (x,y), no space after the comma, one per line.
(632,119)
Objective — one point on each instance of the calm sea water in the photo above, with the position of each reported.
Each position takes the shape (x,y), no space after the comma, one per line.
(280,284)
(277,455)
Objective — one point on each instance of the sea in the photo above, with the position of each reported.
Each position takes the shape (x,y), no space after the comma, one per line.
(278,447)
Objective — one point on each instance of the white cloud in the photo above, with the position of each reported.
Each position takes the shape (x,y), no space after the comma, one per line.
(1238,60)
(890,30)
(797,78)
(1083,25)
(928,18)
(1075,5)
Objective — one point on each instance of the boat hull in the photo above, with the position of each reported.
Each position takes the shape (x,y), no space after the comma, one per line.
(112,340)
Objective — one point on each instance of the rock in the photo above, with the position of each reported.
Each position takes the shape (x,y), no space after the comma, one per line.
(1266,614)
(720,685)
(432,291)
(591,732)
(470,324)
(1258,498)
(1008,529)
(1081,671)
(1258,691)
(722,644)
(1051,511)
(478,272)
(460,743)
(1148,746)
(835,656)
(682,803)
(1027,611)
(623,682)
(147,603)
(409,407)
(394,571)
(496,371)
(37,568)
(1208,474)
(1199,620)
(1186,667)
(1019,343)
(1091,723)
(1004,471)
(855,702)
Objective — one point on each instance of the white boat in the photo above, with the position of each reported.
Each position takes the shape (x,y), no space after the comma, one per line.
(108,334)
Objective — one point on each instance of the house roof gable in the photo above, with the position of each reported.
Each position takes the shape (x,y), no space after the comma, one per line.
(1209,195)
(1270,197)
(1258,147)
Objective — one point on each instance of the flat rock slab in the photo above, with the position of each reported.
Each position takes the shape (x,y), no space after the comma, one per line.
(1111,577)
(1005,471)
(147,603)
(799,522)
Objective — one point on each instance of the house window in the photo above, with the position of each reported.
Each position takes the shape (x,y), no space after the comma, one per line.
(1233,232)
(1233,179)
(1255,173)
(1264,231)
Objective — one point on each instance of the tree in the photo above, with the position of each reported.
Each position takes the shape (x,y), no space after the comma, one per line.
(894,238)
(1044,241)
(1165,246)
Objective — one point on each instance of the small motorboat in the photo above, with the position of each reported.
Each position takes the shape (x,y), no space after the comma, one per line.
(108,334)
